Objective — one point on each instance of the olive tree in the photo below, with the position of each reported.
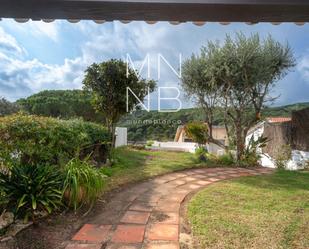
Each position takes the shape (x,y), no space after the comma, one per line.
(248,69)
(243,71)
(200,86)
(109,82)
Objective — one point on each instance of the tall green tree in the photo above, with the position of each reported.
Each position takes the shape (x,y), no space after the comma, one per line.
(244,70)
(109,82)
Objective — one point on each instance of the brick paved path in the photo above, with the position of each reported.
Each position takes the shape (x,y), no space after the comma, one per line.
(146,216)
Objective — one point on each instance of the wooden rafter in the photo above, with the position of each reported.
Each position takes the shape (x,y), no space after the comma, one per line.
(250,11)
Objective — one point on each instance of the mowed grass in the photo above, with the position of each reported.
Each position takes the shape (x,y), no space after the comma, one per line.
(136,165)
(253,212)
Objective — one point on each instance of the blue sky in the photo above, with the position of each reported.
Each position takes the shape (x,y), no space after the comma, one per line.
(35,56)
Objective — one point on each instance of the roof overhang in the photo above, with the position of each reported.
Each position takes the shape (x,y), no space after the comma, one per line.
(251,11)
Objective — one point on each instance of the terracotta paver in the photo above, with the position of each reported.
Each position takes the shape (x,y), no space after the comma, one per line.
(192,186)
(182,191)
(178,182)
(146,216)
(164,232)
(118,205)
(167,206)
(214,179)
(149,198)
(94,233)
(141,206)
(124,246)
(171,245)
(175,198)
(203,183)
(165,218)
(129,234)
(83,246)
(135,217)
(188,179)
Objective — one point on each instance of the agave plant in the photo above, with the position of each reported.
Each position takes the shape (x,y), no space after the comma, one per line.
(30,189)
(82,184)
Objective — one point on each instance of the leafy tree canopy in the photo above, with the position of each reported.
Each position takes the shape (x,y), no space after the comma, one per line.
(61,104)
(237,75)
(109,82)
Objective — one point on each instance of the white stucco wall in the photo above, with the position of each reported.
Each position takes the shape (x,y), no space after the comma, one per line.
(214,149)
(177,146)
(121,136)
(298,158)
(187,146)
(258,132)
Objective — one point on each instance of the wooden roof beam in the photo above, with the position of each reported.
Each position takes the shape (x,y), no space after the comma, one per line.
(160,10)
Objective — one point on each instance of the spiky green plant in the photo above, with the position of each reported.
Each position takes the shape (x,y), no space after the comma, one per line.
(30,189)
(82,184)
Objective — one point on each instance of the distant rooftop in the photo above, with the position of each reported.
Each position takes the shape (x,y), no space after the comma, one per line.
(278,119)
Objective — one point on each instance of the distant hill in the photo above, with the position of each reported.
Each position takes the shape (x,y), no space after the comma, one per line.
(143,125)
(63,104)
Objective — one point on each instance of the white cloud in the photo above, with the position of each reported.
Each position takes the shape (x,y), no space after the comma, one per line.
(303,68)
(20,77)
(37,29)
(48,29)
(8,44)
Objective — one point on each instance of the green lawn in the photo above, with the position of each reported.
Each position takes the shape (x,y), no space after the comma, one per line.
(253,212)
(136,165)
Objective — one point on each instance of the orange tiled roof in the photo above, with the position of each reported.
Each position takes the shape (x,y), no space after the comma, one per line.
(278,119)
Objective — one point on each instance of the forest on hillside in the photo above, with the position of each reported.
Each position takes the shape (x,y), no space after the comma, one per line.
(142,125)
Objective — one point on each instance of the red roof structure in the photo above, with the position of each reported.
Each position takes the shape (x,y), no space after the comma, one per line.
(278,119)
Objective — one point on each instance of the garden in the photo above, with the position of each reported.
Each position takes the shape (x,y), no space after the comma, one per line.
(59,165)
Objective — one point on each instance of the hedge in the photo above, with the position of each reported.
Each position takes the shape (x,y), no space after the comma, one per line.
(35,140)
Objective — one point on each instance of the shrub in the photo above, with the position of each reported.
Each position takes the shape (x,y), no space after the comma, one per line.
(198,132)
(282,156)
(226,159)
(29,189)
(82,184)
(33,140)
(253,151)
(306,167)
(201,153)
(149,143)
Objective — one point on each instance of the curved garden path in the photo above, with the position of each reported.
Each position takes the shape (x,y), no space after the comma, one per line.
(146,215)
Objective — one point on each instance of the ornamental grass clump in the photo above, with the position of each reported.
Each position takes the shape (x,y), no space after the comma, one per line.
(82,183)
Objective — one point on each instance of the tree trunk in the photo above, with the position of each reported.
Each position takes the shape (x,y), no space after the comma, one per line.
(113,129)
(240,143)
